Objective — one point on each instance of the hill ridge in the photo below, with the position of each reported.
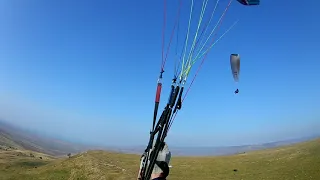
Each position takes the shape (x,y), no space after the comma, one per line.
(299,161)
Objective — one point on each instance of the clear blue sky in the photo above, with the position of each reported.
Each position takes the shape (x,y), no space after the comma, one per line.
(86,71)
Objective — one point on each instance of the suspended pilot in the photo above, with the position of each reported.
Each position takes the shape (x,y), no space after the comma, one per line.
(235,68)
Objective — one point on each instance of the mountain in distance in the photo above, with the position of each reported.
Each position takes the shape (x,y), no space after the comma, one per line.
(13,136)
(19,138)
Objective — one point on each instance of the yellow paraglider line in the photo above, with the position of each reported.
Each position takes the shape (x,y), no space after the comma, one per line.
(187,63)
(213,12)
(204,6)
(186,41)
(208,49)
(187,71)
(213,30)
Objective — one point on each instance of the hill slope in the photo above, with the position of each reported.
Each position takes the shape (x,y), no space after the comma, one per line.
(299,162)
(17,138)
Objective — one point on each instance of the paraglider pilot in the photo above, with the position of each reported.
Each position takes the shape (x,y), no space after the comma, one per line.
(161,168)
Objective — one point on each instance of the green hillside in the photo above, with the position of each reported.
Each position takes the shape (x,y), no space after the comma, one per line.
(295,162)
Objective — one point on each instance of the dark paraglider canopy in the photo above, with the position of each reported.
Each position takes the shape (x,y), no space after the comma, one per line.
(249,2)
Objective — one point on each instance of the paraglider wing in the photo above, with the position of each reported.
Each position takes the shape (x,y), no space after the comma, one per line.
(249,2)
(235,66)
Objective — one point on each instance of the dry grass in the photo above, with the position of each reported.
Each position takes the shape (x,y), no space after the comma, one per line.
(296,162)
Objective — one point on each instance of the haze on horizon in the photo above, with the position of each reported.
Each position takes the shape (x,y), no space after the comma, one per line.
(87,72)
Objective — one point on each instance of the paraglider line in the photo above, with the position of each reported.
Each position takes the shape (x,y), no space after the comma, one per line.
(217,26)
(219,38)
(178,30)
(204,7)
(163,31)
(172,33)
(204,30)
(202,62)
(187,37)
(180,58)
(205,57)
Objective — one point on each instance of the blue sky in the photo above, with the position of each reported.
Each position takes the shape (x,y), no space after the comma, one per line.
(87,70)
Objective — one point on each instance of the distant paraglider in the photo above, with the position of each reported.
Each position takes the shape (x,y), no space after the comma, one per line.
(235,68)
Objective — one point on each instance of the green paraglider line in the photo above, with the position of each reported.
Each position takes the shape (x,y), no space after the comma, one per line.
(174,115)
(202,62)
(217,40)
(205,57)
(217,27)
(204,7)
(203,32)
(206,27)
(186,42)
(197,42)
(187,63)
(214,29)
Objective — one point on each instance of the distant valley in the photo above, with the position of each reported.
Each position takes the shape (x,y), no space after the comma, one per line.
(15,137)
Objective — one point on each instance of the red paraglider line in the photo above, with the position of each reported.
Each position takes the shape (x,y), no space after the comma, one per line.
(163,32)
(172,33)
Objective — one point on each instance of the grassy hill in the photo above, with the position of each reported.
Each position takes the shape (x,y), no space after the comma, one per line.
(17,138)
(296,162)
(7,142)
